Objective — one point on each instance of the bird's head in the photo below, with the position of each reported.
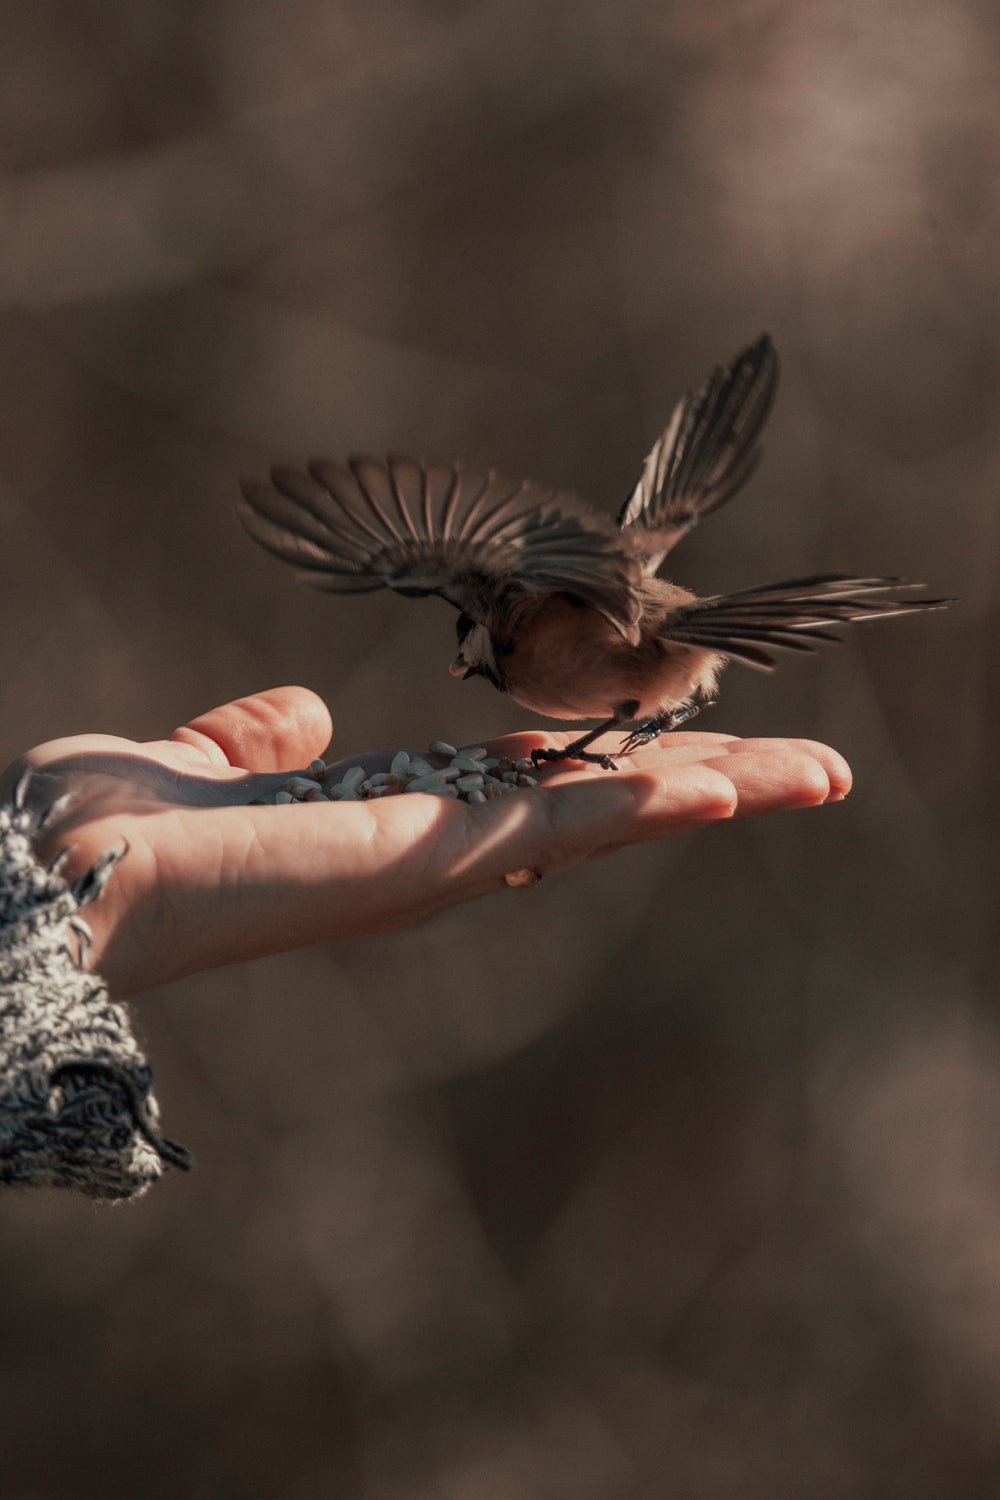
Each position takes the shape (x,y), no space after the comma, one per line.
(477,655)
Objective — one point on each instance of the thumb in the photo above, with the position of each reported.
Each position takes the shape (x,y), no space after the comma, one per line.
(277,730)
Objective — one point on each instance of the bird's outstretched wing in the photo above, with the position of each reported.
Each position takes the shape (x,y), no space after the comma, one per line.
(706,453)
(479,541)
(787,616)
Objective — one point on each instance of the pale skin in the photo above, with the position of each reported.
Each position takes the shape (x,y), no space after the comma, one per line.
(209,880)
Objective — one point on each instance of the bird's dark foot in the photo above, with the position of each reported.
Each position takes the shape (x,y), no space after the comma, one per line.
(651,729)
(572,752)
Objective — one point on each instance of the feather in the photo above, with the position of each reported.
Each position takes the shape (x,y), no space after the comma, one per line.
(478,540)
(785,616)
(706,453)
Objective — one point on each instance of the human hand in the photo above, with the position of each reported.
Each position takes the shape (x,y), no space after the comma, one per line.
(208,880)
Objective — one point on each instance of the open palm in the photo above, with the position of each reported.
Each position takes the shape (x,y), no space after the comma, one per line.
(210,880)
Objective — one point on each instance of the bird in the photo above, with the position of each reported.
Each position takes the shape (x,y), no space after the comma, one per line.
(559,605)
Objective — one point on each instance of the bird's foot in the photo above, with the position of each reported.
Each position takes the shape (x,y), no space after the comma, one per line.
(572,752)
(651,729)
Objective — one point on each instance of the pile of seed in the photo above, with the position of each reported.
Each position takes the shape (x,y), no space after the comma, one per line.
(442,771)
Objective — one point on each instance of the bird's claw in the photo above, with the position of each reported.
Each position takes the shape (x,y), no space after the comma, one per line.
(570,753)
(651,729)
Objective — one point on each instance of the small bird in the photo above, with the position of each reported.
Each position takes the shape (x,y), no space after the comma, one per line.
(559,606)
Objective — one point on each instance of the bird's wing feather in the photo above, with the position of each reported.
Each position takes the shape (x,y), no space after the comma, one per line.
(706,453)
(479,541)
(785,616)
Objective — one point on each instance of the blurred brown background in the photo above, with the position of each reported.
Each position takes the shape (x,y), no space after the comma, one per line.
(678,1176)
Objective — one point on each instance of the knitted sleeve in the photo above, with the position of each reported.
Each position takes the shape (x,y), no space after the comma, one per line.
(76,1107)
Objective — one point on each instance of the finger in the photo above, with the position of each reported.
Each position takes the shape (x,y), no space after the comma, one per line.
(834,766)
(681,749)
(762,776)
(587,815)
(778,777)
(278,730)
(577,813)
(838,771)
(569,820)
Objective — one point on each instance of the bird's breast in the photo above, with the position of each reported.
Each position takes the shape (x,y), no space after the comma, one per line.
(567,661)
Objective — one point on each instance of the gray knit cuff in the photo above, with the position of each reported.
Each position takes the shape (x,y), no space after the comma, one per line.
(76,1108)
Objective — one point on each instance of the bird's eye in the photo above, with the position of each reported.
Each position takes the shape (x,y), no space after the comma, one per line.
(463,625)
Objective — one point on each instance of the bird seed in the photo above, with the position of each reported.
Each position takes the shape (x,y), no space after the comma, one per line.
(471,775)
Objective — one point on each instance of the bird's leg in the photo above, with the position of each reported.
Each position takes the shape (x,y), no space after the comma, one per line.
(578,749)
(651,729)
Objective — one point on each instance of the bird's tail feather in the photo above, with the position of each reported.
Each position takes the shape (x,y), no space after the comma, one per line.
(789,616)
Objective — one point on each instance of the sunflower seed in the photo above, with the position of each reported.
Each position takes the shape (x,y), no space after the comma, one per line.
(299,785)
(468,783)
(466,762)
(427,783)
(471,774)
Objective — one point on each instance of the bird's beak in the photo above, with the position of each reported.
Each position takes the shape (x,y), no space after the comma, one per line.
(459,667)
